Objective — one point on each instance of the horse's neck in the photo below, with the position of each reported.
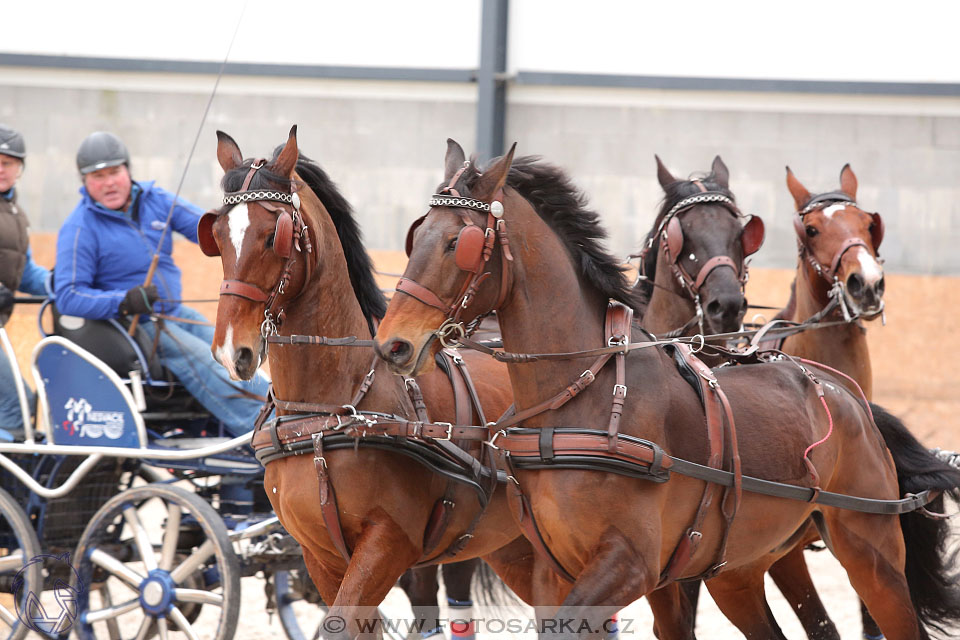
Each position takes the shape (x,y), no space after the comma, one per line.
(327,307)
(842,347)
(548,311)
(670,306)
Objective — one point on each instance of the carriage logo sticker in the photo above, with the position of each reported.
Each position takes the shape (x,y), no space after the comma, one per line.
(91,423)
(55,617)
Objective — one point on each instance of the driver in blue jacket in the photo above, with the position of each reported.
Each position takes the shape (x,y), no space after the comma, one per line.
(104,250)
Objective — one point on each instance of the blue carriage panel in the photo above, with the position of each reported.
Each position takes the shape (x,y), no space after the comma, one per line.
(85,402)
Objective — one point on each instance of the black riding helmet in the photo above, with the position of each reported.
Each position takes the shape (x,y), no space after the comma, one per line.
(11,143)
(100,150)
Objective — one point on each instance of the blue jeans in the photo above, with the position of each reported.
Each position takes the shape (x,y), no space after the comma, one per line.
(184,349)
(11,419)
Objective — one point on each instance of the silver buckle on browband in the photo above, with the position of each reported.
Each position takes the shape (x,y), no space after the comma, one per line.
(239,197)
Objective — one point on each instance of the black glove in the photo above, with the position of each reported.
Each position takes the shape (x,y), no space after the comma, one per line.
(6,304)
(139,300)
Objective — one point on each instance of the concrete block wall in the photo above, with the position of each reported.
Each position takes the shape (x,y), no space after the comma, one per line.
(384,146)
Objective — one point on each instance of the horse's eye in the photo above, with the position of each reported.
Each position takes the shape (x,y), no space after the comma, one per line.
(452,244)
(811,232)
(270,240)
(871,227)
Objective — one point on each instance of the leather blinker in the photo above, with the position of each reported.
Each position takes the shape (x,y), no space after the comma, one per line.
(876,231)
(752,236)
(674,238)
(208,244)
(469,252)
(283,235)
(408,244)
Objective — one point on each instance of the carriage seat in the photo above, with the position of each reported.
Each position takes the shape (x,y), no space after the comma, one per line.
(109,340)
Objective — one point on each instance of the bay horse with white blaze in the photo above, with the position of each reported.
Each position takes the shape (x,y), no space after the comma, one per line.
(577,493)
(363,511)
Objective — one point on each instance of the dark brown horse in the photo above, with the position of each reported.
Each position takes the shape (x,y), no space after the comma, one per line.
(615,535)
(385,500)
(693,261)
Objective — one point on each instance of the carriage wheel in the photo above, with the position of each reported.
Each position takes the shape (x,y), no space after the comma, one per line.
(299,606)
(19,577)
(148,576)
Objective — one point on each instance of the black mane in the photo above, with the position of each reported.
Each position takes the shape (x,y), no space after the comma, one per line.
(564,208)
(674,193)
(359,266)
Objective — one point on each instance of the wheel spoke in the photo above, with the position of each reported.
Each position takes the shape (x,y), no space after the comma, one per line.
(7,616)
(198,595)
(144,628)
(106,561)
(193,562)
(170,537)
(112,612)
(12,562)
(181,621)
(162,628)
(141,537)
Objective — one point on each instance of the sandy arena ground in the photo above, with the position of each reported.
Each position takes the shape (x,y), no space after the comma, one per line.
(911,378)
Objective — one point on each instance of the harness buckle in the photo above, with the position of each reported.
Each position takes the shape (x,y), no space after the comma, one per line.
(449,427)
(620,389)
(492,442)
(588,375)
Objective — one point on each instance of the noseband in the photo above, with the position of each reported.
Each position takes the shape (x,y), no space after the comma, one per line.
(474,248)
(291,233)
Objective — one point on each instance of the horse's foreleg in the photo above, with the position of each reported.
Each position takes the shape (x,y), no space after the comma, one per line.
(792,577)
(380,556)
(740,596)
(614,576)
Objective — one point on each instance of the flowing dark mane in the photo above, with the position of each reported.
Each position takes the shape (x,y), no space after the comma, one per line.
(674,193)
(359,266)
(564,208)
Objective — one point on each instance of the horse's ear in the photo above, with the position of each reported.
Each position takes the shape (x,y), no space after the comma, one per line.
(287,160)
(720,173)
(663,174)
(454,159)
(848,181)
(228,152)
(800,194)
(494,176)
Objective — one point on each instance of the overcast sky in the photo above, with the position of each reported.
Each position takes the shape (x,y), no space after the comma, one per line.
(855,40)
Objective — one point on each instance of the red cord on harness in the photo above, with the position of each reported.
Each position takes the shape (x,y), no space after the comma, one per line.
(823,400)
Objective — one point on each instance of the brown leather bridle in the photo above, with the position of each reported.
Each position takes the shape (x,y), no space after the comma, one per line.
(473,251)
(830,273)
(291,236)
(670,233)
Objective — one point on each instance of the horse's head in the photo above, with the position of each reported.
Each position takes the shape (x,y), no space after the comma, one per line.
(704,245)
(840,241)
(453,249)
(265,247)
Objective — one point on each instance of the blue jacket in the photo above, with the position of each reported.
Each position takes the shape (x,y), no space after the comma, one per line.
(102,253)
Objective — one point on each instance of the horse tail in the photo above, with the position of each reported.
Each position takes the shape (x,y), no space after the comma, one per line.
(933,584)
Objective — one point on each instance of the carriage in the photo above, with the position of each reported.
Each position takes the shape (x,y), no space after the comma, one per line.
(127,512)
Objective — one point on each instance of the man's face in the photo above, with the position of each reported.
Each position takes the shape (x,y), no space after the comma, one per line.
(110,186)
(10,170)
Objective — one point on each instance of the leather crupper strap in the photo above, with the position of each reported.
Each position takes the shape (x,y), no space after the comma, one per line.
(275,202)
(539,448)
(471,259)
(438,445)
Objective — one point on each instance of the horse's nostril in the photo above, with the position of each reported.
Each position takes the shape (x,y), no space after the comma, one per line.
(714,308)
(881,287)
(399,351)
(855,285)
(243,358)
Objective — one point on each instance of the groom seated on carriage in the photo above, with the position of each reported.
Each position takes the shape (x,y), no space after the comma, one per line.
(104,252)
